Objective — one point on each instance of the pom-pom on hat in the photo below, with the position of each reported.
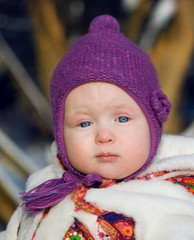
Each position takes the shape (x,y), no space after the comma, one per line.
(106,55)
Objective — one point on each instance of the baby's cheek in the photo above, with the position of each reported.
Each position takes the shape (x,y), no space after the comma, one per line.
(78,157)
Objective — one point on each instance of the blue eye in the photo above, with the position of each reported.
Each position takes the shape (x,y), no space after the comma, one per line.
(123,119)
(85,124)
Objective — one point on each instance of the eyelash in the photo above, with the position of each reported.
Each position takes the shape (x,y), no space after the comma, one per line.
(85,124)
(122,119)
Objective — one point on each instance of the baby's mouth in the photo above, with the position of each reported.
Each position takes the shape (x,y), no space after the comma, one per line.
(107,157)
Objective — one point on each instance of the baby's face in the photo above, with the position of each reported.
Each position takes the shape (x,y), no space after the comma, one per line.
(105,131)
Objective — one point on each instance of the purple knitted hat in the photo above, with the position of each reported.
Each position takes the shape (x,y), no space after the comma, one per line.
(105,55)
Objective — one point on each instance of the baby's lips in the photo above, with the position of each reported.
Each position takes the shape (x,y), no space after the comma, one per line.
(107,157)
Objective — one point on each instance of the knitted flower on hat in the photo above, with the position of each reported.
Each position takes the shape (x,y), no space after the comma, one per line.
(104,55)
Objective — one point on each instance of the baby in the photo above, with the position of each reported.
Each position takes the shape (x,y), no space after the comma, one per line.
(107,181)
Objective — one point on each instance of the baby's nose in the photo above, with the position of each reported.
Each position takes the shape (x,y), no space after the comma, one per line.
(104,136)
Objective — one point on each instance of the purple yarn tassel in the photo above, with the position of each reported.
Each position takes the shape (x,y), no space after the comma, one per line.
(53,191)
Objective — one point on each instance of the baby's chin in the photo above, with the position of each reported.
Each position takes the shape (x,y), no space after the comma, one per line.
(110,173)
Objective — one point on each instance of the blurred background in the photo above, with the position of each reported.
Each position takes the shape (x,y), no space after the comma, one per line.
(34,35)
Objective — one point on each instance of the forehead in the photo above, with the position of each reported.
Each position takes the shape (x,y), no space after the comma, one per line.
(95,89)
(99,94)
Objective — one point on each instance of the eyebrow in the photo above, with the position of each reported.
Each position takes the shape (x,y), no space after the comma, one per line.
(75,116)
(124,106)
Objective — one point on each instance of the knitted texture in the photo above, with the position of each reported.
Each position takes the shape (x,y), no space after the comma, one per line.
(106,55)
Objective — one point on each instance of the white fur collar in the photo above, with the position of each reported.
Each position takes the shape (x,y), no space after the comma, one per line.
(155,205)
